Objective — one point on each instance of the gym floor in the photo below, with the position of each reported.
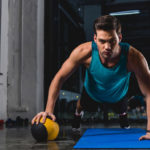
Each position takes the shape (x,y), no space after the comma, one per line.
(21,139)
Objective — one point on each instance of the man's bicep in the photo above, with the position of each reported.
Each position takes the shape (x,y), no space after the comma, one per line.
(142,74)
(77,57)
(144,83)
(68,67)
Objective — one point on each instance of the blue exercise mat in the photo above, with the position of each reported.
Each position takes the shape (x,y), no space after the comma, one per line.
(112,138)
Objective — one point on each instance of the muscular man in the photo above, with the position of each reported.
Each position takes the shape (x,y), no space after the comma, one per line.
(109,63)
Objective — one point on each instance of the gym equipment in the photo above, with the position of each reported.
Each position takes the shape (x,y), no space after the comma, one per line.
(112,138)
(44,132)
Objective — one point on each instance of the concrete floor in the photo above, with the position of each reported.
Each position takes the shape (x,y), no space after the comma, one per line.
(21,138)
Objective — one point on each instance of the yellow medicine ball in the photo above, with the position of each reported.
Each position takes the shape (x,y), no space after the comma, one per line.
(47,131)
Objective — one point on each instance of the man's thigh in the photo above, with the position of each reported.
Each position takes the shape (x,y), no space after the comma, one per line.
(120,107)
(87,103)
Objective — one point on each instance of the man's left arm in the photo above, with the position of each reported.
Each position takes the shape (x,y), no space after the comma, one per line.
(139,66)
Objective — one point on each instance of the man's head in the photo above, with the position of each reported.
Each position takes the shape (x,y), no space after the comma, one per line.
(107,35)
(107,23)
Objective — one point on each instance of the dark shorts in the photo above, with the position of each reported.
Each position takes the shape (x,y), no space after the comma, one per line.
(88,104)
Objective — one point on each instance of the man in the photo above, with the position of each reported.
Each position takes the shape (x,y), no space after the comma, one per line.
(109,64)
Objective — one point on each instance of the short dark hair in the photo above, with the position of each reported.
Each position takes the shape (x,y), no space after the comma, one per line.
(106,23)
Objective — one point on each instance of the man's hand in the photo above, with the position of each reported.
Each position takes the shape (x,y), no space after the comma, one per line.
(42,115)
(145,137)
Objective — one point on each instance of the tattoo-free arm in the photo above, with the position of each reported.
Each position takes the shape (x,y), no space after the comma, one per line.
(139,66)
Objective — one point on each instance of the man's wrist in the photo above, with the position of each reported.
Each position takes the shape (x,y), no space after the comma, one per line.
(49,112)
(148,131)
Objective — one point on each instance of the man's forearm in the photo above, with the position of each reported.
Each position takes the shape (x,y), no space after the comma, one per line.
(50,105)
(53,94)
(148,111)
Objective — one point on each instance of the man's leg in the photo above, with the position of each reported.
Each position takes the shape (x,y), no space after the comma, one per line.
(85,103)
(79,108)
(77,117)
(123,120)
(121,109)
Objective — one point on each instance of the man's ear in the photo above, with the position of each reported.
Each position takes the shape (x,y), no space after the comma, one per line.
(95,38)
(120,37)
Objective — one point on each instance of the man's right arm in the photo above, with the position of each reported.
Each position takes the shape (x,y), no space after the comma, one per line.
(76,58)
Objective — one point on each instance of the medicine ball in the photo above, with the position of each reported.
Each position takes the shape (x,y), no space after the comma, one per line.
(47,131)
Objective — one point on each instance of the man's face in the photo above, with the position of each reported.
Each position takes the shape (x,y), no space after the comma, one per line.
(107,43)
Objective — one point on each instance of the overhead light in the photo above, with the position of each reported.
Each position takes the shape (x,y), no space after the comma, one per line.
(128,12)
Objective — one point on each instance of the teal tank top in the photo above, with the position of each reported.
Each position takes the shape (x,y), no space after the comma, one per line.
(107,84)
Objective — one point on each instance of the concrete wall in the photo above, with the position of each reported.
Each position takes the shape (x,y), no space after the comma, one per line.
(3,59)
(25,58)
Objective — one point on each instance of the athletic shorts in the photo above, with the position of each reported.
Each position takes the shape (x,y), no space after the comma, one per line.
(90,105)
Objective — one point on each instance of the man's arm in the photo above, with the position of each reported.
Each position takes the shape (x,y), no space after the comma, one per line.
(138,65)
(77,57)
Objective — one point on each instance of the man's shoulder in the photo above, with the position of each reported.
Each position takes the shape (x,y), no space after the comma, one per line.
(84,49)
(86,46)
(134,57)
(134,53)
(82,52)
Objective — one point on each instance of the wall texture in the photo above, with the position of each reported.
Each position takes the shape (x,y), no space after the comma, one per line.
(3,59)
(25,58)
